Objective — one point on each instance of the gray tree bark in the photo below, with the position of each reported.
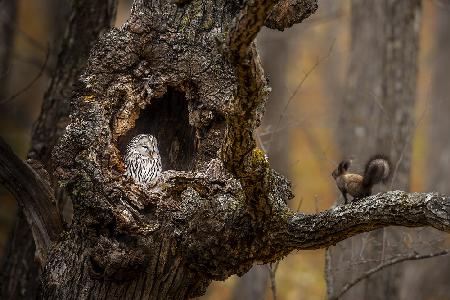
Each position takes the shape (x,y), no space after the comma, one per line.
(377,117)
(188,73)
(429,279)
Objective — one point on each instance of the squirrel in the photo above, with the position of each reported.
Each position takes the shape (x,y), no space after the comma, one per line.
(378,169)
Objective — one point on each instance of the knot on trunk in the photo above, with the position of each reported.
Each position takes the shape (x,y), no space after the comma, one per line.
(119,260)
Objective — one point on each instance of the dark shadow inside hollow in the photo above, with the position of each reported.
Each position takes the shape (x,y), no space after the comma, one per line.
(167,119)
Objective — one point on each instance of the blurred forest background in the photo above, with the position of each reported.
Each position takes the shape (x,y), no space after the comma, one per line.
(307,68)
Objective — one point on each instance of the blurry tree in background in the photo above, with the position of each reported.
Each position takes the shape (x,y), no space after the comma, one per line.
(8,12)
(430,279)
(16,118)
(377,116)
(87,20)
(33,50)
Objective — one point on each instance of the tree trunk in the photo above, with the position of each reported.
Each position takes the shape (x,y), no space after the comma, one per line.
(429,279)
(377,117)
(189,74)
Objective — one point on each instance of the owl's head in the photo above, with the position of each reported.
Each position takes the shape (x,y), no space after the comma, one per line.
(143,144)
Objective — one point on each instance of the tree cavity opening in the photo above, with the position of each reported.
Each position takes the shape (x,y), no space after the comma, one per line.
(167,119)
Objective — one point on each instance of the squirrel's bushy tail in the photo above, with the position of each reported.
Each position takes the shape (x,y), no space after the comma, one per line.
(378,169)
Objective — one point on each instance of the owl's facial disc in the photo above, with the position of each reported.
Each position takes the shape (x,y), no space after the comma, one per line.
(147,149)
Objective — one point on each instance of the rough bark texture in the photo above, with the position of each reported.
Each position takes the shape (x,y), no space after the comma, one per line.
(429,279)
(219,207)
(204,83)
(377,117)
(273,138)
(225,209)
(289,12)
(20,271)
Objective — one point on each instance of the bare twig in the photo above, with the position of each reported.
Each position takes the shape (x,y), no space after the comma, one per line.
(409,138)
(388,263)
(31,83)
(28,38)
(300,84)
(272,268)
(30,60)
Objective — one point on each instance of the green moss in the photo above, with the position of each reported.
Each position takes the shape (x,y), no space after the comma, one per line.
(88,98)
(208,24)
(258,157)
(83,186)
(185,21)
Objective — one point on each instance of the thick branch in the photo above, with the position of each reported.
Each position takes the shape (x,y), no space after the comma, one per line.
(240,155)
(34,196)
(393,208)
(239,152)
(289,12)
(246,26)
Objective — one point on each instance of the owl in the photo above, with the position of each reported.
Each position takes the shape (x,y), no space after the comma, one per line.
(142,159)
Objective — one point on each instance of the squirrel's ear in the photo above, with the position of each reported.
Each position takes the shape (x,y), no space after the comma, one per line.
(344,165)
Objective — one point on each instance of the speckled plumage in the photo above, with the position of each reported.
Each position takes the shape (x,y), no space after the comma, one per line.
(142,159)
